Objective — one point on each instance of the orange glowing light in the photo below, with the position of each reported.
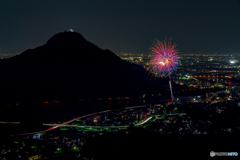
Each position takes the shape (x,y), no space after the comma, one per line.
(162,63)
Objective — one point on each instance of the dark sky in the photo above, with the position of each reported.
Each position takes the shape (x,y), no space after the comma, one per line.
(123,26)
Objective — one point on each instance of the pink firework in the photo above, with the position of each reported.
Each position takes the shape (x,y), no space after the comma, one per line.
(164,60)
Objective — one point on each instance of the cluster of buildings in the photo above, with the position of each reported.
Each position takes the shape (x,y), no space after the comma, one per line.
(167,118)
(55,145)
(196,71)
(112,118)
(139,59)
(216,68)
(185,124)
(67,142)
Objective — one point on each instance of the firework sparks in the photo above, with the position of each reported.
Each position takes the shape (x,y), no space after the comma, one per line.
(164,60)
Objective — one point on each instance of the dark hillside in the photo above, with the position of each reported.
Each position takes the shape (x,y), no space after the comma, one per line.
(69,68)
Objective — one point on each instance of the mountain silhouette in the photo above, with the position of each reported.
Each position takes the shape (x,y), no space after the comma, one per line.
(67,47)
(66,69)
(70,67)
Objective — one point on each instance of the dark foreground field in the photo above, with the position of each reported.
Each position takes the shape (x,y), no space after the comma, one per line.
(140,144)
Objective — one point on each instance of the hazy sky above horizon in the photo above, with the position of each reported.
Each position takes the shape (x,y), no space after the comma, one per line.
(123,26)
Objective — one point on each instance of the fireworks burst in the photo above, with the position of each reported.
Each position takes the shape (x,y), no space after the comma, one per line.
(164,60)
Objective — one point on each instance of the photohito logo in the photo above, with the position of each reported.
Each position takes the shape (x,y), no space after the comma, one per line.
(212,154)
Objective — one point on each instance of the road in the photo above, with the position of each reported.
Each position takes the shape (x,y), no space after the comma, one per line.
(138,124)
(54,126)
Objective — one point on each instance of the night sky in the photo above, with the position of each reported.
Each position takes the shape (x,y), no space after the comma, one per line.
(123,26)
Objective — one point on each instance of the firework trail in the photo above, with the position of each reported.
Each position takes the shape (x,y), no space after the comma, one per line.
(164,60)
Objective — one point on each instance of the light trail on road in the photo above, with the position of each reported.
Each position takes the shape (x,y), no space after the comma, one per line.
(54,127)
(64,124)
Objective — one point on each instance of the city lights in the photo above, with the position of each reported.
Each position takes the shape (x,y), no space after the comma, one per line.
(107,90)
